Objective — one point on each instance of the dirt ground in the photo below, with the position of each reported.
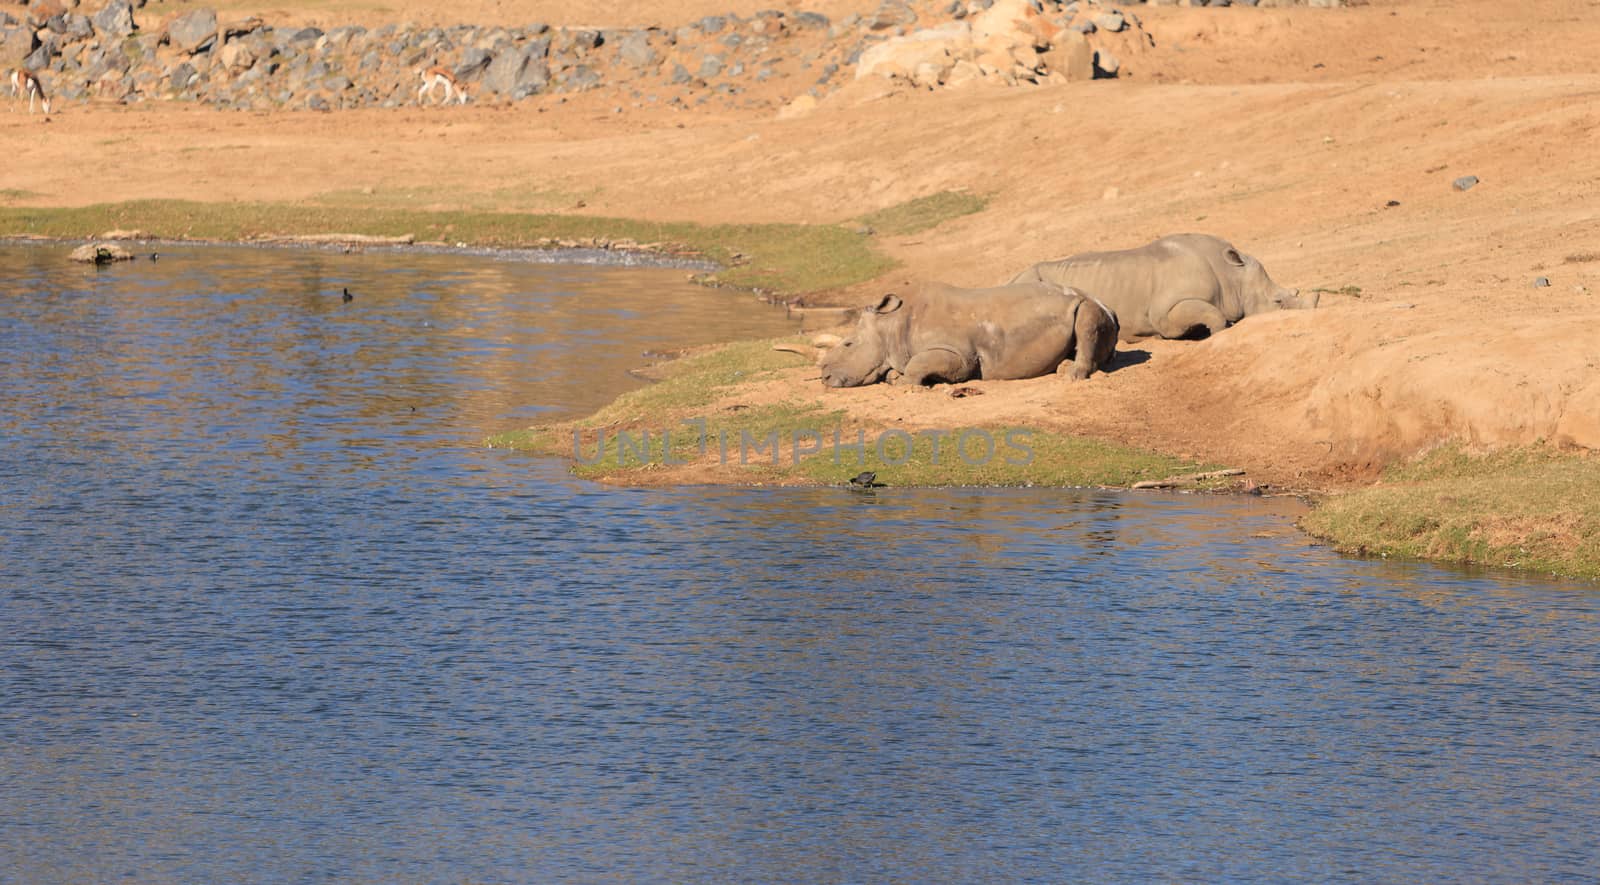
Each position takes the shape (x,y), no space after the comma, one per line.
(1323,141)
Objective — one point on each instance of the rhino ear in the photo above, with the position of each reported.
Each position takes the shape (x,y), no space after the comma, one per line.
(1233,257)
(888,304)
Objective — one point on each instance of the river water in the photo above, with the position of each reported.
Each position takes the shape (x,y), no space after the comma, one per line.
(268,612)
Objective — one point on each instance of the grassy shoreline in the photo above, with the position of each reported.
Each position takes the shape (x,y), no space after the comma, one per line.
(1523,508)
(791,259)
(696,424)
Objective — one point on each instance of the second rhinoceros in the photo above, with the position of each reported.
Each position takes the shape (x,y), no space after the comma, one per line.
(933,332)
(1175,287)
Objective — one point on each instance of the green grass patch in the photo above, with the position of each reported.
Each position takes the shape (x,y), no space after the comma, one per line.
(985,456)
(923,213)
(693,416)
(691,383)
(1529,508)
(789,258)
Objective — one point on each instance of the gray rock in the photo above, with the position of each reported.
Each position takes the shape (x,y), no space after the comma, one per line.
(39,59)
(193,30)
(712,24)
(680,75)
(892,14)
(16,44)
(814,21)
(1541,282)
(634,49)
(732,41)
(519,72)
(1110,21)
(581,78)
(181,77)
(77,27)
(106,60)
(116,20)
(710,67)
(1084,27)
(1106,65)
(473,63)
(1464,183)
(306,35)
(317,103)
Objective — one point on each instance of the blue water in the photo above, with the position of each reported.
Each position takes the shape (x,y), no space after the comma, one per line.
(261,621)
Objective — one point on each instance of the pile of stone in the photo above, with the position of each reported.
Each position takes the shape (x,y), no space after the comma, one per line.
(115,53)
(1011,41)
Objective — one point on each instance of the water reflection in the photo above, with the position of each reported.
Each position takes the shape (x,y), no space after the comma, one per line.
(260,621)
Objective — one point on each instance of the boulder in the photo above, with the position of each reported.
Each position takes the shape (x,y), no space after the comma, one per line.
(39,59)
(42,11)
(181,76)
(76,28)
(115,20)
(193,30)
(16,44)
(473,63)
(236,56)
(519,73)
(892,14)
(1110,21)
(900,56)
(100,253)
(1070,56)
(1106,65)
(634,49)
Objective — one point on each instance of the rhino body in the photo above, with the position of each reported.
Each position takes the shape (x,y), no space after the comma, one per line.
(1174,287)
(933,333)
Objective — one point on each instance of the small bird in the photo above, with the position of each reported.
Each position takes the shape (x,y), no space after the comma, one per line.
(348,297)
(155,256)
(866,480)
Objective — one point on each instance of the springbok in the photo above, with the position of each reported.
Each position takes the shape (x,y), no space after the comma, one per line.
(24,80)
(439,75)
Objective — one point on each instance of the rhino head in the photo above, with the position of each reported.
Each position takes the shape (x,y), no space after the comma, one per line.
(1256,291)
(864,357)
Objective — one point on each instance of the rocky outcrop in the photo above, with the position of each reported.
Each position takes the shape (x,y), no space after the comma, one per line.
(121,51)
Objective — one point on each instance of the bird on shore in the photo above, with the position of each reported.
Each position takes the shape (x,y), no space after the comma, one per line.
(155,256)
(866,480)
(347,296)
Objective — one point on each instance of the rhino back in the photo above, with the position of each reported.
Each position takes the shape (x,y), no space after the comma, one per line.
(1136,284)
(1015,331)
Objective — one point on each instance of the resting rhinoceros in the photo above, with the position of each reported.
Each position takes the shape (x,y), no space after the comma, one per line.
(934,332)
(1173,287)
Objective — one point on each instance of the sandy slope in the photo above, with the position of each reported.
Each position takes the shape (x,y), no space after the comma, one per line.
(1229,126)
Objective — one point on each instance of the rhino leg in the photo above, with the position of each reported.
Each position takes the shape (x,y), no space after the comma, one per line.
(1094,340)
(1188,315)
(935,366)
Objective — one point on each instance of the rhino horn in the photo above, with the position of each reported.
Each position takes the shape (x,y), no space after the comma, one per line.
(815,354)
